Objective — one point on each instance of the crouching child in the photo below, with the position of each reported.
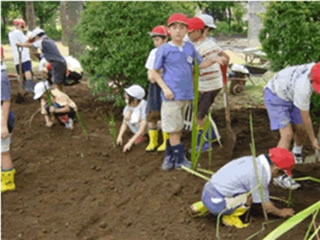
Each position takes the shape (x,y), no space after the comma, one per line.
(134,117)
(55,105)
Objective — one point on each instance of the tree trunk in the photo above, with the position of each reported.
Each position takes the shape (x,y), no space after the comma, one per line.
(30,16)
(69,21)
(64,22)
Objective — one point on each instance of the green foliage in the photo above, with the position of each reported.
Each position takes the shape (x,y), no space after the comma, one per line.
(315,108)
(53,32)
(291,33)
(118,45)
(112,127)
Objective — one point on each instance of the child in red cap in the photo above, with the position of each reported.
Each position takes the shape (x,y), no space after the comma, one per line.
(210,78)
(176,58)
(159,35)
(227,191)
(287,98)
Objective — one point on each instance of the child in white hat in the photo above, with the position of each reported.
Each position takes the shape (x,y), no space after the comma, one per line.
(60,107)
(134,116)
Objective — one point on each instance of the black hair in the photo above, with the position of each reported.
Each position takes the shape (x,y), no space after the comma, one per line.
(161,36)
(131,99)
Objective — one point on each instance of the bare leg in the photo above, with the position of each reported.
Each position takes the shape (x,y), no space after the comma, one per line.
(286,136)
(175,138)
(6,160)
(300,134)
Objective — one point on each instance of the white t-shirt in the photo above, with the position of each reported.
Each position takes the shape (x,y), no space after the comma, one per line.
(73,64)
(292,84)
(210,78)
(138,114)
(17,36)
(151,58)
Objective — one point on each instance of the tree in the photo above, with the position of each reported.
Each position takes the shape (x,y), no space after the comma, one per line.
(115,34)
(291,33)
(31,18)
(70,16)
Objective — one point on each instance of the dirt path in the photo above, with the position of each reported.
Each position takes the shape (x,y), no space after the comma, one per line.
(70,187)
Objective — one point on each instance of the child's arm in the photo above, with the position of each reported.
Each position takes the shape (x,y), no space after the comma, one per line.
(26,44)
(209,62)
(4,118)
(158,79)
(151,77)
(141,131)
(122,130)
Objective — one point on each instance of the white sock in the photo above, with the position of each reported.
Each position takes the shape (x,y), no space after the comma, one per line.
(297,149)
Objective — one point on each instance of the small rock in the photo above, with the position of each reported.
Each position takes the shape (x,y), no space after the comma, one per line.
(44,230)
(66,224)
(20,235)
(103,224)
(105,154)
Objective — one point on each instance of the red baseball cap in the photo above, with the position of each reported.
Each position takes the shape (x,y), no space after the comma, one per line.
(315,77)
(159,31)
(282,158)
(177,17)
(18,21)
(195,23)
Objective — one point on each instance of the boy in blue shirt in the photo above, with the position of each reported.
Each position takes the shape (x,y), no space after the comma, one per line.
(176,59)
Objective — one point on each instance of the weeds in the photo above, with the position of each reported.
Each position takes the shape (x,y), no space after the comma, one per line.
(111,123)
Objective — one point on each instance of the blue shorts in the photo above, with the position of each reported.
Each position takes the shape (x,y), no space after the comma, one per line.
(26,66)
(280,112)
(214,201)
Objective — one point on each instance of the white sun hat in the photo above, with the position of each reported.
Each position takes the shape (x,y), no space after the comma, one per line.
(208,20)
(135,91)
(40,88)
(36,32)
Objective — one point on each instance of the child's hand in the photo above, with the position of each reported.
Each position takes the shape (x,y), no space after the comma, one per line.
(52,109)
(119,141)
(127,147)
(49,124)
(168,94)
(4,131)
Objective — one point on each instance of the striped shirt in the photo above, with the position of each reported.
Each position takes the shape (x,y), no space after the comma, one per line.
(210,78)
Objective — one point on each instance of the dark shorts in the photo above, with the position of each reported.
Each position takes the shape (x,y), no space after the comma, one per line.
(205,101)
(153,103)
(59,70)
(64,116)
(26,66)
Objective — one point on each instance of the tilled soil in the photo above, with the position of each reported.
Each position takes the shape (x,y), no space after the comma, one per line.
(70,186)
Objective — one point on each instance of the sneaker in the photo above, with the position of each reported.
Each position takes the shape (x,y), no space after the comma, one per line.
(298,158)
(167,164)
(286,182)
(186,163)
(69,124)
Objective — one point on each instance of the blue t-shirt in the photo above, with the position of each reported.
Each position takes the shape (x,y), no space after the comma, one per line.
(177,63)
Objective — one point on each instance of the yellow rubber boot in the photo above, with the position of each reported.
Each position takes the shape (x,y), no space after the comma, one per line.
(7,180)
(198,209)
(153,140)
(165,137)
(234,220)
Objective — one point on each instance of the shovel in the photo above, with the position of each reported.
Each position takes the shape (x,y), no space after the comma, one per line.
(316,156)
(20,95)
(231,137)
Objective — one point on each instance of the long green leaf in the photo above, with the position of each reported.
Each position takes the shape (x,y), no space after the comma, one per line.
(293,221)
(194,114)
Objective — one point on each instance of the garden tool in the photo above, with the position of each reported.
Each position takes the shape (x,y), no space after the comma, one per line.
(7,180)
(153,140)
(316,156)
(231,137)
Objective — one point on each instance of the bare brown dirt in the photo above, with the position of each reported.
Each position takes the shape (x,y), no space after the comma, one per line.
(70,187)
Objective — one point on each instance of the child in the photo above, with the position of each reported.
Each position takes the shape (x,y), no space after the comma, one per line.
(16,36)
(51,54)
(7,121)
(61,107)
(176,58)
(159,35)
(134,116)
(210,78)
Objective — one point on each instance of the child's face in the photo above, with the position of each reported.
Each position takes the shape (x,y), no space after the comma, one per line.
(194,35)
(178,31)
(134,103)
(158,41)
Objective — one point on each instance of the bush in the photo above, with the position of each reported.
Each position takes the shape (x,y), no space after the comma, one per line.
(118,45)
(52,31)
(291,33)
